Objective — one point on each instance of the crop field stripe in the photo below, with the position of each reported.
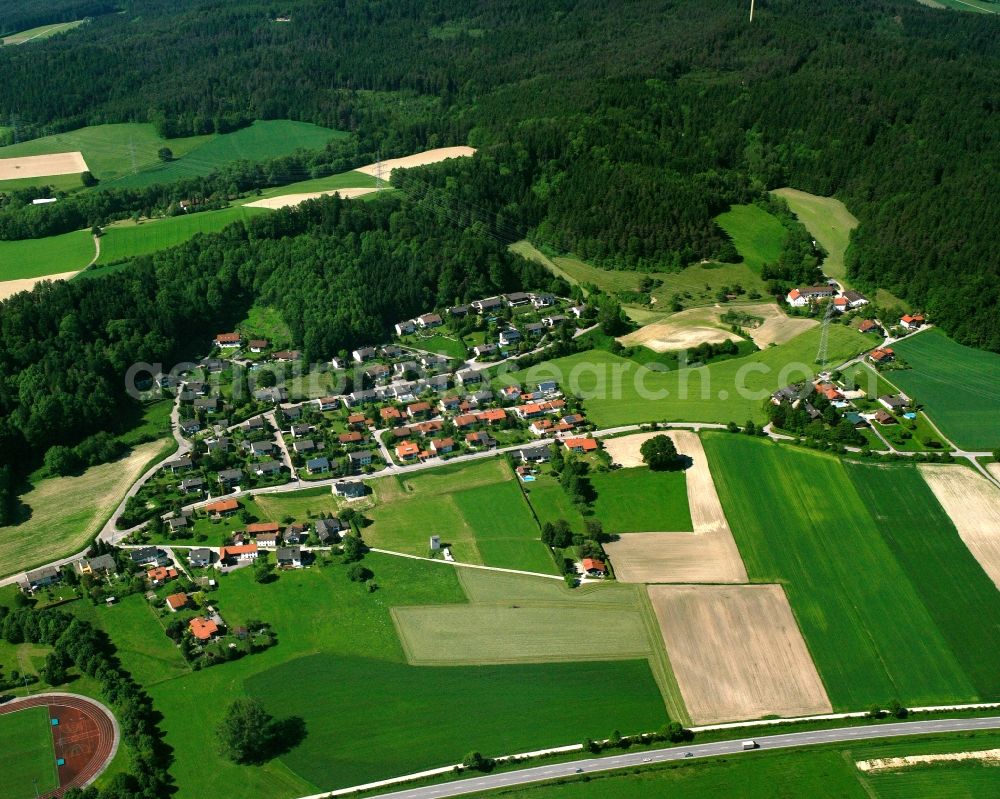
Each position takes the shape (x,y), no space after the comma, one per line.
(798,520)
(659,662)
(957,593)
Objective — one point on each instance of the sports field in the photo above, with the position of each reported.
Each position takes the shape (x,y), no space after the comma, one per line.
(29,758)
(828,221)
(814,771)
(618,391)
(476,508)
(35,258)
(341,668)
(758,235)
(62,513)
(639,500)
(128,239)
(799,520)
(956,384)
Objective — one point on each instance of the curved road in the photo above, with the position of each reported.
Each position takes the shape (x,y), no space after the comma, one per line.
(631,760)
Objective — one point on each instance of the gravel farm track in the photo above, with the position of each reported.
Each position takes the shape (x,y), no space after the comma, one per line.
(86,736)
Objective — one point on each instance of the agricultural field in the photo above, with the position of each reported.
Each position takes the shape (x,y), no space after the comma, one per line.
(550,502)
(61,514)
(618,391)
(957,592)
(333,632)
(486,520)
(128,239)
(28,753)
(757,235)
(41,32)
(518,619)
(813,771)
(639,500)
(828,221)
(55,255)
(799,520)
(263,140)
(955,384)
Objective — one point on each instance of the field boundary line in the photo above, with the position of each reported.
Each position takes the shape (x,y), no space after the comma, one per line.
(465,565)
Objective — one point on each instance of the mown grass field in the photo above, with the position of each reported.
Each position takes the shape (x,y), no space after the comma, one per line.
(550,502)
(641,501)
(439,343)
(957,593)
(799,520)
(828,221)
(814,771)
(339,665)
(264,139)
(29,756)
(618,391)
(54,255)
(758,235)
(61,514)
(111,151)
(956,384)
(476,508)
(343,180)
(128,239)
(308,503)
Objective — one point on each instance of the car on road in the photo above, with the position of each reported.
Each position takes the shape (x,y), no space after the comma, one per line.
(689,754)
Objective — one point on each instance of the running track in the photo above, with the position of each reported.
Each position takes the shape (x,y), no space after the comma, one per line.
(87,736)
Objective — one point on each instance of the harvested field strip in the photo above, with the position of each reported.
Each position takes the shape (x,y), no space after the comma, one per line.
(737,652)
(42,166)
(957,593)
(286,200)
(986,756)
(973,504)
(799,521)
(384,169)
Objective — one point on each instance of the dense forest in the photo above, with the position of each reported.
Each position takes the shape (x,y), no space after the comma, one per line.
(636,122)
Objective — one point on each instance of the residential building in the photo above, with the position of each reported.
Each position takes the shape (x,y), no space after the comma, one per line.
(177,601)
(227,341)
(319,465)
(542,300)
(442,446)
(881,355)
(200,558)
(509,336)
(304,445)
(239,553)
(488,304)
(258,344)
(230,477)
(327,530)
(581,444)
(429,320)
(363,354)
(405,328)
(359,460)
(145,555)
(594,567)
(267,468)
(349,489)
(517,299)
(203,630)
(912,322)
(290,557)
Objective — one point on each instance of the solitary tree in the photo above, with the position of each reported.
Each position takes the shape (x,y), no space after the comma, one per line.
(358,573)
(165,154)
(245,731)
(659,453)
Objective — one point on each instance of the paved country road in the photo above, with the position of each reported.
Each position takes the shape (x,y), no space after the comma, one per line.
(631,760)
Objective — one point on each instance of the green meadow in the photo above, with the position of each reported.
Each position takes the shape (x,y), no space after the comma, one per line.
(828,221)
(41,32)
(28,753)
(757,235)
(641,501)
(617,391)
(799,520)
(956,384)
(54,255)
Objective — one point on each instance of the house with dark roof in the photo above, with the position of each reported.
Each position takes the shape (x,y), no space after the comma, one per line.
(327,530)
(349,489)
(200,558)
(289,557)
(319,465)
(230,477)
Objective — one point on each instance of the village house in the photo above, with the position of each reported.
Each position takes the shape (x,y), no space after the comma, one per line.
(239,553)
(349,489)
(351,437)
(189,426)
(287,355)
(363,354)
(881,355)
(407,450)
(259,449)
(289,557)
(295,533)
(327,530)
(217,446)
(144,555)
(400,369)
(267,468)
(868,326)
(227,341)
(179,465)
(161,574)
(509,336)
(542,300)
(192,485)
(459,310)
(488,304)
(539,453)
(204,630)
(102,564)
(554,321)
(449,404)
(258,344)
(912,322)
(274,394)
(517,299)
(267,540)
(893,402)
(800,297)
(304,445)
(230,477)
(177,524)
(405,328)
(327,403)
(480,438)
(359,460)
(484,349)
(319,465)
(884,417)
(441,446)
(40,578)
(177,602)
(418,410)
(581,445)
(469,377)
(358,421)
(253,425)
(594,567)
(577,310)
(390,414)
(493,415)
(200,558)
(854,299)
(481,397)
(429,320)
(534,329)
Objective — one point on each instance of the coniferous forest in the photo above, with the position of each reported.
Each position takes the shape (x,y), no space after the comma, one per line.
(616,131)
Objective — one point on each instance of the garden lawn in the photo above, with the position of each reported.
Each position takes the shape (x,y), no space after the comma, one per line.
(61,514)
(261,141)
(957,593)
(127,239)
(26,258)
(265,322)
(641,501)
(956,385)
(757,235)
(617,391)
(302,505)
(798,520)
(439,343)
(828,221)
(29,756)
(403,719)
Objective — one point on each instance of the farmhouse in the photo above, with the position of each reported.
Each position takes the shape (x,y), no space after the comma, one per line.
(594,567)
(912,322)
(228,340)
(240,553)
(800,297)
(854,299)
